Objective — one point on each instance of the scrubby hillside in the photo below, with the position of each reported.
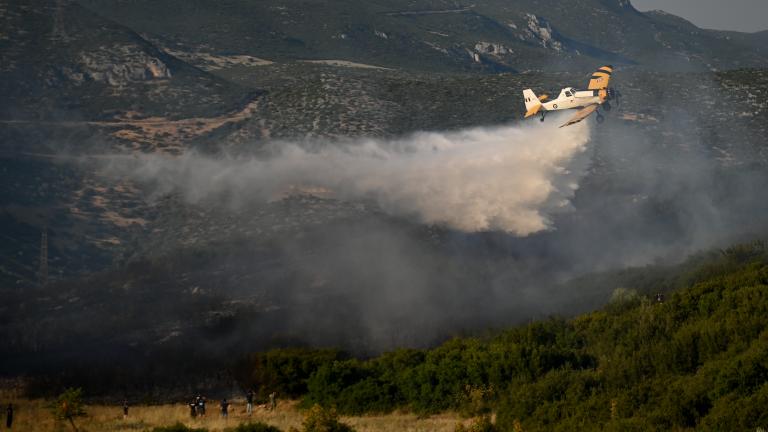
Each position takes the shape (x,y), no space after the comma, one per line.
(61,61)
(154,276)
(663,180)
(436,35)
(696,359)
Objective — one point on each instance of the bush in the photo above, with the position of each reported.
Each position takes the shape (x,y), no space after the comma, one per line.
(482,424)
(353,387)
(69,405)
(623,299)
(253,427)
(476,400)
(319,419)
(283,370)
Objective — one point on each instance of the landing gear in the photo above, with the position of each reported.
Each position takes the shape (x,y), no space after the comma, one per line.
(542,116)
(607,106)
(600,118)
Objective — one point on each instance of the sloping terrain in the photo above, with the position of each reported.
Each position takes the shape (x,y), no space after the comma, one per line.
(61,62)
(692,359)
(330,102)
(484,36)
(665,186)
(676,168)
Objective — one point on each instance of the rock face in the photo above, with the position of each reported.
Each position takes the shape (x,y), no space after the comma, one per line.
(540,30)
(134,66)
(105,67)
(493,49)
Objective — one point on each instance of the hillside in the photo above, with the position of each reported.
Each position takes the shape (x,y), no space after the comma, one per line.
(692,359)
(215,178)
(316,101)
(259,271)
(62,62)
(441,35)
(696,360)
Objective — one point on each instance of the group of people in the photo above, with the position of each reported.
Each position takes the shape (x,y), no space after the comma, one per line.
(197,405)
(249,397)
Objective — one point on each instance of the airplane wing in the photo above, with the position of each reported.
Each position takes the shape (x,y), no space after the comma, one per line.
(600,78)
(581,114)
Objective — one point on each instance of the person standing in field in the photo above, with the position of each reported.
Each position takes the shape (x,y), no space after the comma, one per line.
(201,406)
(249,402)
(272,401)
(9,416)
(125,409)
(224,408)
(193,408)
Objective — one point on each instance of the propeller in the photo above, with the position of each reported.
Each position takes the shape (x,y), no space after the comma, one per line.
(616,94)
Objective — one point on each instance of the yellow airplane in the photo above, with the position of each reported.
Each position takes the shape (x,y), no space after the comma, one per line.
(597,94)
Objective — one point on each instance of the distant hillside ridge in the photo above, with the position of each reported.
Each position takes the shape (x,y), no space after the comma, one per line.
(439,35)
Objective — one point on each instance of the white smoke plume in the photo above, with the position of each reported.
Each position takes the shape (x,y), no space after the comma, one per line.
(509,178)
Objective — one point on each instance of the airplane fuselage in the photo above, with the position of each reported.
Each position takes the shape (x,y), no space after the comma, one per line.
(570,99)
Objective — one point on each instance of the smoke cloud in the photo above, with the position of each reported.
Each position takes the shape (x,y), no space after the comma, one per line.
(509,178)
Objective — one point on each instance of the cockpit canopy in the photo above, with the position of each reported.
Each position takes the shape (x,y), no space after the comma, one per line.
(568,92)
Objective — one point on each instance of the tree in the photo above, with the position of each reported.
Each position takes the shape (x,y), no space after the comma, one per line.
(69,405)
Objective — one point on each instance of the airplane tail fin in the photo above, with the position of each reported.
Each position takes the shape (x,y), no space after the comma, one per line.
(532,103)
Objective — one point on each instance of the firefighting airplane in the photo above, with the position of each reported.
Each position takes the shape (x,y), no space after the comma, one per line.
(597,94)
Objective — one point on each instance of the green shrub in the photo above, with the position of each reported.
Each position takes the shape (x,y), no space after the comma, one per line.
(481,424)
(353,387)
(253,427)
(475,400)
(69,405)
(284,371)
(623,299)
(319,419)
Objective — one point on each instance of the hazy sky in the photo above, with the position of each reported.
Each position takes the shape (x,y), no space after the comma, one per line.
(739,15)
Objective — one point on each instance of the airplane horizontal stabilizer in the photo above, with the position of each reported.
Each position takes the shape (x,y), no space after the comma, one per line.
(533,110)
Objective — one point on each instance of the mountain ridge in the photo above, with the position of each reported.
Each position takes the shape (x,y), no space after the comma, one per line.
(438,35)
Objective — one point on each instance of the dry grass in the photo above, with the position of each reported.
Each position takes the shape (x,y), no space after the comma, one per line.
(35,416)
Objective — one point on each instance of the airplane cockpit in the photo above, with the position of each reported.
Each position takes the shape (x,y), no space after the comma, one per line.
(567,92)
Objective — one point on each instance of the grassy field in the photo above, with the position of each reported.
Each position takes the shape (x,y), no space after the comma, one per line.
(35,416)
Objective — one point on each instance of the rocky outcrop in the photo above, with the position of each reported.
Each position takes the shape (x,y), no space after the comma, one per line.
(493,49)
(540,31)
(133,66)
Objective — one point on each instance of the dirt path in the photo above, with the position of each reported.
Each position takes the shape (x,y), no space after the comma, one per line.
(157,133)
